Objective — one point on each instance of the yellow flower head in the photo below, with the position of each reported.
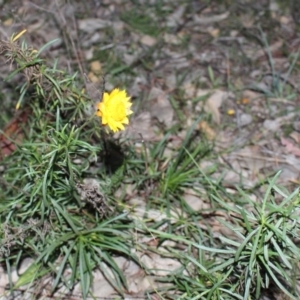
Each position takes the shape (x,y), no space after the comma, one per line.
(114,109)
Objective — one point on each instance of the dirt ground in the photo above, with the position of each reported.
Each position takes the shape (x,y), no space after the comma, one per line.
(241,57)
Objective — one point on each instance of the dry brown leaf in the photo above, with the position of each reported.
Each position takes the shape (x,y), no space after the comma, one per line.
(8,22)
(290,147)
(161,266)
(293,161)
(214,32)
(190,90)
(249,96)
(139,128)
(135,278)
(172,39)
(101,287)
(204,20)
(272,48)
(207,130)
(194,200)
(295,136)
(160,106)
(247,20)
(93,78)
(148,40)
(213,103)
(3,280)
(96,67)
(251,158)
(176,17)
(93,24)
(285,20)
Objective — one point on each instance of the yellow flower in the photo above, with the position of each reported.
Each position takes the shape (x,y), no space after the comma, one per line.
(114,109)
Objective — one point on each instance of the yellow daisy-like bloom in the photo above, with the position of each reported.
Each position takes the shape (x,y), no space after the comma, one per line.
(114,109)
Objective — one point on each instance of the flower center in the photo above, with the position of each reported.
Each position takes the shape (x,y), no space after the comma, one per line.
(118,111)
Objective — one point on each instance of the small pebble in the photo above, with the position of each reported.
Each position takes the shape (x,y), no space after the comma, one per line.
(245,120)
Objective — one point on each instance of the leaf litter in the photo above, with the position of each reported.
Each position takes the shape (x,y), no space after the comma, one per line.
(249,145)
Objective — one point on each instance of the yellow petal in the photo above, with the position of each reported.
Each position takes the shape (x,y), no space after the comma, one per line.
(114,109)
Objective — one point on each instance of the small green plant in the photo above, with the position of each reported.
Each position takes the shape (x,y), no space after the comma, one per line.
(266,253)
(58,206)
(281,86)
(215,82)
(260,254)
(51,209)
